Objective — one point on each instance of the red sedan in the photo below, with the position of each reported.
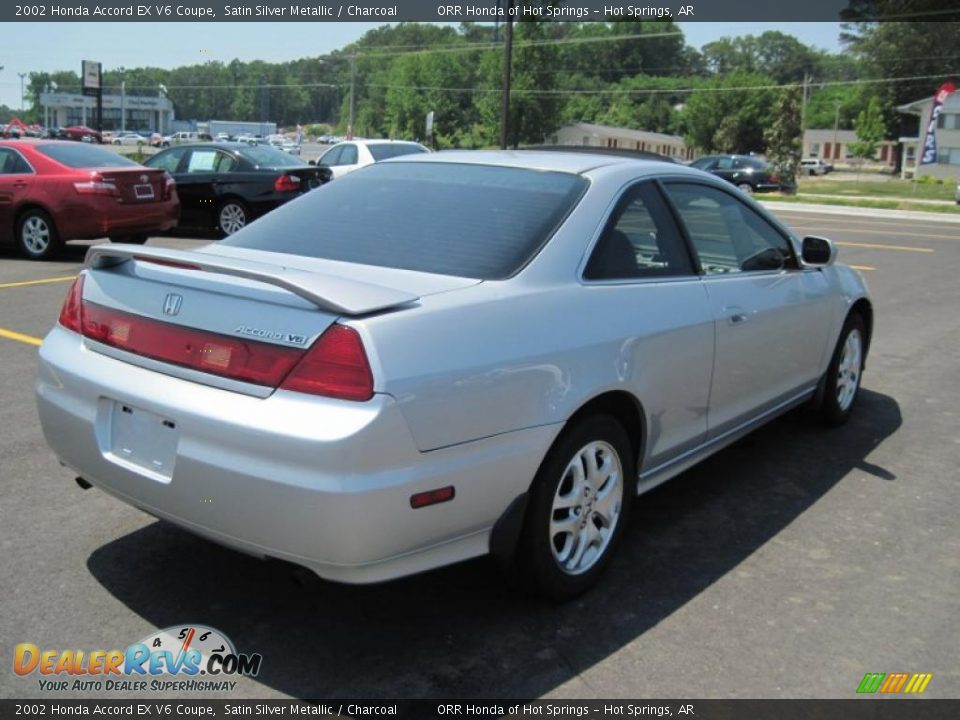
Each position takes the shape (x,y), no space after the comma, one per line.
(53,191)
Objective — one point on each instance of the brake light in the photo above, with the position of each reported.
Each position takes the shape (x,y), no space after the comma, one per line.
(336,366)
(287,183)
(71,314)
(169,185)
(775,179)
(96,185)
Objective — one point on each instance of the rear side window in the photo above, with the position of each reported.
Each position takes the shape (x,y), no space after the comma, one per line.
(474,221)
(265,156)
(384,151)
(168,160)
(82,155)
(12,164)
(639,241)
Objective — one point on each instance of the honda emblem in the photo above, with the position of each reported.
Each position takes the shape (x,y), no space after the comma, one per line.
(172,303)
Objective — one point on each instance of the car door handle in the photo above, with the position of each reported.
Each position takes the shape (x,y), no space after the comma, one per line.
(735,314)
(20,184)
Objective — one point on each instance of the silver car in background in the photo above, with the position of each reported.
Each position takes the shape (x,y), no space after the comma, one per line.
(448,355)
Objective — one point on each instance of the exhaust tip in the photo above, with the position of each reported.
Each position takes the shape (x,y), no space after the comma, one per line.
(84,485)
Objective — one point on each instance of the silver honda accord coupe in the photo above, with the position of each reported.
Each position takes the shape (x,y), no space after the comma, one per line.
(448,355)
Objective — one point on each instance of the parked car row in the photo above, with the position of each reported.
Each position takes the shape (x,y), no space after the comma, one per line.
(53,191)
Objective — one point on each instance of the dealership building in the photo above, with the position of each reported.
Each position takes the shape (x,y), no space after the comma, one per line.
(120,112)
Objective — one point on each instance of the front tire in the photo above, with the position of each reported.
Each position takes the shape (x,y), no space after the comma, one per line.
(232,216)
(746,188)
(579,505)
(842,381)
(37,235)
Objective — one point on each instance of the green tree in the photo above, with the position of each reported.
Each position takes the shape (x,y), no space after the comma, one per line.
(870,131)
(783,135)
(729,114)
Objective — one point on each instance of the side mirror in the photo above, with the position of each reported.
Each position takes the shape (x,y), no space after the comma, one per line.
(312,162)
(818,251)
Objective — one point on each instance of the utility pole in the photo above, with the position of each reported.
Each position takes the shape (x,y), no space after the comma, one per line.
(22,76)
(836,126)
(353,94)
(803,110)
(507,62)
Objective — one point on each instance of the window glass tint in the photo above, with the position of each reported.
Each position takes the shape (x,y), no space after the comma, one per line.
(225,163)
(83,155)
(724,163)
(349,155)
(727,235)
(704,163)
(385,150)
(12,164)
(640,241)
(264,156)
(168,160)
(331,156)
(201,161)
(473,221)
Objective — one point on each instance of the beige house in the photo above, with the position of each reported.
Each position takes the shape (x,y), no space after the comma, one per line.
(833,146)
(948,139)
(588,135)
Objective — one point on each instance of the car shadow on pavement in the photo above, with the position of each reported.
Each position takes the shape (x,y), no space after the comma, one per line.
(465,631)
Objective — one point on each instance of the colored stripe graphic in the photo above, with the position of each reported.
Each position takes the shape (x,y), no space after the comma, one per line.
(894,683)
(871,682)
(918,683)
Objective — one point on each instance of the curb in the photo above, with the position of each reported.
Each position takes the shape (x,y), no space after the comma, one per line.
(775,206)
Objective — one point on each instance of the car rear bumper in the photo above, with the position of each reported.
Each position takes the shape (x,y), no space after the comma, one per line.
(99,217)
(322,483)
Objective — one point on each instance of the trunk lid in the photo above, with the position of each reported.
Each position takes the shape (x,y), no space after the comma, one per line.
(136,186)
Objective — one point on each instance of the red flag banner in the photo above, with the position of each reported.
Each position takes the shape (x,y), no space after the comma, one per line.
(929,156)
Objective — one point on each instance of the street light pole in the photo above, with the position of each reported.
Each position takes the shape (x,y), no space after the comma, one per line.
(507,63)
(22,76)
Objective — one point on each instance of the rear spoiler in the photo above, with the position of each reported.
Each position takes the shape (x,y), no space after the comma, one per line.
(328,292)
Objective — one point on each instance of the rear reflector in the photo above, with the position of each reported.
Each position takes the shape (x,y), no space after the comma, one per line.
(432,497)
(336,366)
(243,360)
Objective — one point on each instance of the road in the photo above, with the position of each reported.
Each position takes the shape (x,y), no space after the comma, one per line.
(788,565)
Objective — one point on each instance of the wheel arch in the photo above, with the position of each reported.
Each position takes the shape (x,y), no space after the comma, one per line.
(864,308)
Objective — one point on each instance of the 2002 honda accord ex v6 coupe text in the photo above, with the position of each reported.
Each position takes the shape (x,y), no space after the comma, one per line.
(446,355)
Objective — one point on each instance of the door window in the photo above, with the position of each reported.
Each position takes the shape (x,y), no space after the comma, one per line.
(202,161)
(168,160)
(728,236)
(639,241)
(331,156)
(349,155)
(11,163)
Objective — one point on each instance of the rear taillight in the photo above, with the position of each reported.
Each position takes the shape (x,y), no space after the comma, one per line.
(71,314)
(775,179)
(336,366)
(287,183)
(96,185)
(169,185)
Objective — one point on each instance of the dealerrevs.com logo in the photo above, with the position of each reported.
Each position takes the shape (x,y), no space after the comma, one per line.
(182,658)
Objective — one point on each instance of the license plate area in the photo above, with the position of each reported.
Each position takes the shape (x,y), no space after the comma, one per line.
(140,440)
(143,192)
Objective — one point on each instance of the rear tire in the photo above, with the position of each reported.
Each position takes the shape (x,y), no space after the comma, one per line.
(232,216)
(580,501)
(841,384)
(37,236)
(745,188)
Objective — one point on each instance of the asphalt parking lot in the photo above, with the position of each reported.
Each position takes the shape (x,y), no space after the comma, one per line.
(788,565)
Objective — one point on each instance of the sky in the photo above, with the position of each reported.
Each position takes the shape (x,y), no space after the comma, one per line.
(37,47)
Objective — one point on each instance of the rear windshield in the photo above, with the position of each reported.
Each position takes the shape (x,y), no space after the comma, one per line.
(388,150)
(82,155)
(266,156)
(474,221)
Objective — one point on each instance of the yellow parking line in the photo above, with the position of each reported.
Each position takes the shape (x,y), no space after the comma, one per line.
(19,337)
(23,283)
(883,247)
(871,231)
(862,267)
